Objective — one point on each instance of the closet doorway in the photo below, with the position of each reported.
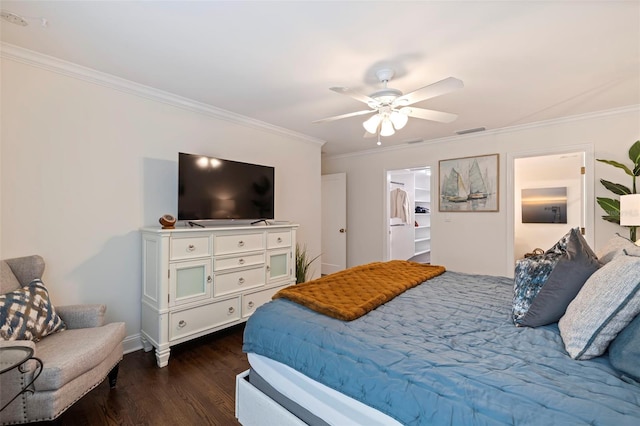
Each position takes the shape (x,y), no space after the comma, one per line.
(408,214)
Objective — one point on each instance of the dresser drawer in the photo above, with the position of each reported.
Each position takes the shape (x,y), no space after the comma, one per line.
(251,301)
(278,239)
(190,247)
(238,261)
(194,320)
(232,282)
(238,243)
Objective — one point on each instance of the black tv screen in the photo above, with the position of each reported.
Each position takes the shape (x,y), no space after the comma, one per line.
(213,188)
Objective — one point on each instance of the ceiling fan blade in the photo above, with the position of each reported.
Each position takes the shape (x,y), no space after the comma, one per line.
(429,114)
(431,91)
(355,95)
(339,117)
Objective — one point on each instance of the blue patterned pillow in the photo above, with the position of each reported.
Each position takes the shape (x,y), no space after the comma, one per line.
(561,246)
(27,313)
(532,273)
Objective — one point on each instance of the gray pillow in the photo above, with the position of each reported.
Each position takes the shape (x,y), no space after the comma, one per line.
(565,281)
(615,247)
(607,302)
(624,351)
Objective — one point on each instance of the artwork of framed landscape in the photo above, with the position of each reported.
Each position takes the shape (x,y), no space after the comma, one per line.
(469,184)
(544,205)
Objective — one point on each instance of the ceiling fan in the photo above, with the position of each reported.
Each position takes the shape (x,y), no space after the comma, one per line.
(393,108)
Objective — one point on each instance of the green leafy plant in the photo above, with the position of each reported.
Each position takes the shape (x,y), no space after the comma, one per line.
(612,206)
(303,262)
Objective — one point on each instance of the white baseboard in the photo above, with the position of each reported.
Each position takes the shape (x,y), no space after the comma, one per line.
(132,343)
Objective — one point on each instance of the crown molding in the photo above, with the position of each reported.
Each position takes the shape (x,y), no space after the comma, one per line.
(510,129)
(70,69)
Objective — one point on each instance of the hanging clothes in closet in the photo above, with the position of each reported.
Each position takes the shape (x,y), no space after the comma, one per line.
(399,201)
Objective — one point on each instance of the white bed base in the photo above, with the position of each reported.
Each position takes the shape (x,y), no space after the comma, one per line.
(253,408)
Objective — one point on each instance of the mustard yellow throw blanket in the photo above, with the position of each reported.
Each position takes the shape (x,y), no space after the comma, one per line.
(349,294)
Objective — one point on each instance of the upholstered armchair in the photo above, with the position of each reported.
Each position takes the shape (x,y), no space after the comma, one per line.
(74,361)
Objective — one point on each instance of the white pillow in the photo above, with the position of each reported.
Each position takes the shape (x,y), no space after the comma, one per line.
(616,247)
(607,302)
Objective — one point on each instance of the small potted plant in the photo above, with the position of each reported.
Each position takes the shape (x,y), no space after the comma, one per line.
(303,262)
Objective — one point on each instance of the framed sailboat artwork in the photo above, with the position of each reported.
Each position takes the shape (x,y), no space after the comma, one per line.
(469,184)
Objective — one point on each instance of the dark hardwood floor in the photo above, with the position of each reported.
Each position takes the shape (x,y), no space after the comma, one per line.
(196,388)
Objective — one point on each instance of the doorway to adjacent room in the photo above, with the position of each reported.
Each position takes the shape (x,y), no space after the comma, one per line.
(408,214)
(549,192)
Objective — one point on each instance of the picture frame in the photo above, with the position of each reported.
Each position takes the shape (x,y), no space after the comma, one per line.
(544,205)
(469,184)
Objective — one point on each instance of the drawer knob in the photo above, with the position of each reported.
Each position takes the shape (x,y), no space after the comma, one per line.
(250,304)
(209,279)
(240,243)
(231,310)
(279,240)
(241,261)
(191,247)
(240,280)
(182,323)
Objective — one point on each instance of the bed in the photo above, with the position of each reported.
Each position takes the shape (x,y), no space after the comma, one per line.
(445,351)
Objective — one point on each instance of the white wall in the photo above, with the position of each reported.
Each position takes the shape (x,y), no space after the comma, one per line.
(85,165)
(476,242)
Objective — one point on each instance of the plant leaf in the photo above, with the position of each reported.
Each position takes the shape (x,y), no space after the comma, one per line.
(303,263)
(612,219)
(616,188)
(618,165)
(610,206)
(634,154)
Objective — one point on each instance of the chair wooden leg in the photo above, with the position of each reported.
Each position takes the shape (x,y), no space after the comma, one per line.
(113,376)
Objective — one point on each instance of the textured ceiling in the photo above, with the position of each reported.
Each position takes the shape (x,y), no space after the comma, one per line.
(521,61)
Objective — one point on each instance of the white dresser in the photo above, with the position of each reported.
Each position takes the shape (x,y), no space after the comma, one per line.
(199,280)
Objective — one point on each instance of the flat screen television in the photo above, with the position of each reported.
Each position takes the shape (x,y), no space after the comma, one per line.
(212,188)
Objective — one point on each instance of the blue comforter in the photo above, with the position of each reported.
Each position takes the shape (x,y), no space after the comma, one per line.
(446,352)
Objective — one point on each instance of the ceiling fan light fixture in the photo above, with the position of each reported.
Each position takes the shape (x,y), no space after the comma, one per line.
(371,125)
(391,108)
(398,119)
(13,18)
(387,128)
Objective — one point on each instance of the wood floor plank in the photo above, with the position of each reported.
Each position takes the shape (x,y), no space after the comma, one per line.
(196,388)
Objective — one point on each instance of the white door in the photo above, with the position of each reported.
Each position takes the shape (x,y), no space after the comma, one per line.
(334,223)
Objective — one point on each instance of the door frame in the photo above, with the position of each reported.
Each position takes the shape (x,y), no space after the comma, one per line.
(589,191)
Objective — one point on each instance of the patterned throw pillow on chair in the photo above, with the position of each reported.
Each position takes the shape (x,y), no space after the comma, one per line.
(27,313)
